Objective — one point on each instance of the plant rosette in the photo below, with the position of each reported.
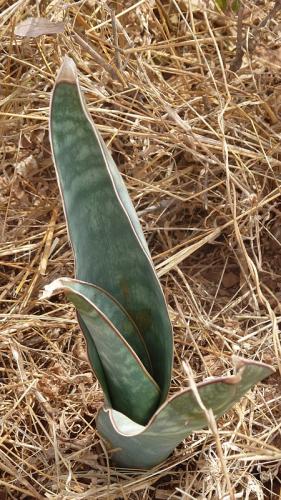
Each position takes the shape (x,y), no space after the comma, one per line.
(119,301)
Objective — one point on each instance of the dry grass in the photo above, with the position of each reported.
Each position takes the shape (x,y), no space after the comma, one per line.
(199,149)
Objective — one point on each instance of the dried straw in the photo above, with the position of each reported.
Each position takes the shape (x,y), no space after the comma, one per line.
(198,146)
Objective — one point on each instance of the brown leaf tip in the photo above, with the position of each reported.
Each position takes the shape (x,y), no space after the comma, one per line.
(52,288)
(240,363)
(67,72)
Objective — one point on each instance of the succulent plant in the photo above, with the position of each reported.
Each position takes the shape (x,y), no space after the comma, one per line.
(119,301)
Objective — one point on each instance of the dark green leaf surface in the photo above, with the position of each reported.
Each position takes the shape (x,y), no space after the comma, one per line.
(131,389)
(144,447)
(110,250)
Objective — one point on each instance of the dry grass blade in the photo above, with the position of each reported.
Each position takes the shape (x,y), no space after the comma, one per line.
(213,426)
(199,148)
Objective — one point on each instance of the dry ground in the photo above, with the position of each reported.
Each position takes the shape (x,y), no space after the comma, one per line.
(199,149)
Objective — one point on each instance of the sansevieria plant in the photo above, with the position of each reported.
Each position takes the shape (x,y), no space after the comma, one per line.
(120,305)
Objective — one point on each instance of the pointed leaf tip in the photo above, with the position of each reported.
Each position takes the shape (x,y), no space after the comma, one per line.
(241,363)
(67,72)
(98,209)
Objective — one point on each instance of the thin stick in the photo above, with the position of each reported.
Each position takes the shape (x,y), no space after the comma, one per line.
(115,75)
(237,61)
(213,426)
(241,44)
(115,39)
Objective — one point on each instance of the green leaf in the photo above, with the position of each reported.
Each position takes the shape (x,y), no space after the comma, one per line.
(117,315)
(131,388)
(91,347)
(144,447)
(225,4)
(108,243)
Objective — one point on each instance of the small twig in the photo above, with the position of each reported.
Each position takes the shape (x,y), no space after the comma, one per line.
(237,61)
(213,426)
(119,28)
(115,75)
(263,23)
(241,44)
(270,15)
(115,40)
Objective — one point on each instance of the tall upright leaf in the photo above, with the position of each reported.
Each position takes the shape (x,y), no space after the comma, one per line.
(102,223)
